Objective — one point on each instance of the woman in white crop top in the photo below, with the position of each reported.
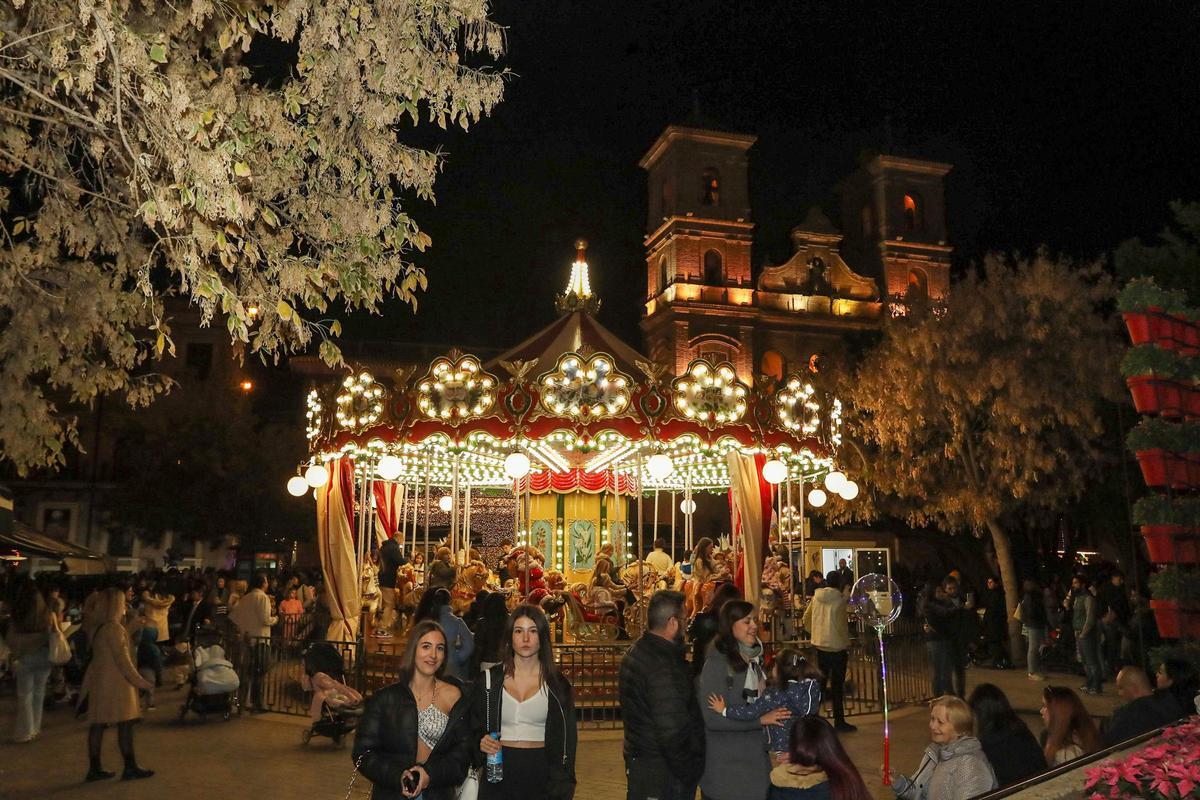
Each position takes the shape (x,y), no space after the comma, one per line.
(527,702)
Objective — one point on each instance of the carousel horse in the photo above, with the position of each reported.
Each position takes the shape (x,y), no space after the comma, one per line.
(642,580)
(471,579)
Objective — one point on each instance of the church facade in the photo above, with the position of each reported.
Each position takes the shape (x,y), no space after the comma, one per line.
(702,299)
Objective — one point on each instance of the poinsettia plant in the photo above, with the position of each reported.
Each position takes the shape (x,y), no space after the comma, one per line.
(1167,769)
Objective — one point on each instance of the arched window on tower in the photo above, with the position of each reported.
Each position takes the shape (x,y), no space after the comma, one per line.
(662,274)
(918,284)
(912,212)
(711,195)
(714,275)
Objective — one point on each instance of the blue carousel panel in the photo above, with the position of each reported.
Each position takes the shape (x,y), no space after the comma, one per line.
(583,544)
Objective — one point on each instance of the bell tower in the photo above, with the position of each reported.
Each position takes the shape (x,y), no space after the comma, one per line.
(894,215)
(698,239)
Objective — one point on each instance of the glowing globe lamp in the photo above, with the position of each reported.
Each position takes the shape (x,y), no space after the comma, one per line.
(389,468)
(516,465)
(687,506)
(316,476)
(445,503)
(817,498)
(660,466)
(834,481)
(774,472)
(849,491)
(297,486)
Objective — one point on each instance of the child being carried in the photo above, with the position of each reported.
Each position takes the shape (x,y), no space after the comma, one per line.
(795,685)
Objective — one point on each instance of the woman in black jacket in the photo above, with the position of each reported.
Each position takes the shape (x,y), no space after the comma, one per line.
(1007,741)
(415,735)
(524,709)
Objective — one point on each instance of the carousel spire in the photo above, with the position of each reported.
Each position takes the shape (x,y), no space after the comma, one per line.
(578,296)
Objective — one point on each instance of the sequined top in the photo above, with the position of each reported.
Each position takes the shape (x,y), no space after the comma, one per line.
(431,724)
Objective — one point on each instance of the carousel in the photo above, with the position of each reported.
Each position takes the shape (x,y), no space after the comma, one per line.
(583,441)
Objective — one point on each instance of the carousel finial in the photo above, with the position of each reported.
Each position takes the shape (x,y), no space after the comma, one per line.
(578,296)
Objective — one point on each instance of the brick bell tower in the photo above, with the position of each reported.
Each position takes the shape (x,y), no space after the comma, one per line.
(699,292)
(894,217)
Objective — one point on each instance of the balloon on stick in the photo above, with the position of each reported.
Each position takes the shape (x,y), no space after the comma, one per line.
(876,600)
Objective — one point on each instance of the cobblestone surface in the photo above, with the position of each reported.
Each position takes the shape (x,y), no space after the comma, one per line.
(263,757)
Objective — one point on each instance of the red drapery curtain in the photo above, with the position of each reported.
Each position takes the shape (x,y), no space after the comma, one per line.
(335,541)
(750,512)
(387,509)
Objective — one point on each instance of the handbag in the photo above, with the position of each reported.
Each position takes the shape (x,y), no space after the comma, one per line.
(60,648)
(469,788)
(1017,613)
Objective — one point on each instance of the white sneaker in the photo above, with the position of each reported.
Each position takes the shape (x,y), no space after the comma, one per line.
(1035,677)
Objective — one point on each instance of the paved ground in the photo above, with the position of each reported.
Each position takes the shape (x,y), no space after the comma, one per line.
(262,757)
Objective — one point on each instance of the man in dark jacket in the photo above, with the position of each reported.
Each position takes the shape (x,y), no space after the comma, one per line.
(1112,606)
(664,732)
(1145,710)
(995,625)
(391,558)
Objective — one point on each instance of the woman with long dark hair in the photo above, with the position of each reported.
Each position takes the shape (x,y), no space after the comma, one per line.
(818,767)
(523,708)
(414,737)
(737,766)
(704,626)
(1070,731)
(702,562)
(29,640)
(1178,676)
(1010,747)
(489,632)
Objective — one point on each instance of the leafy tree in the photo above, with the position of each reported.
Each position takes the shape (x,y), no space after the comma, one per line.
(144,157)
(986,410)
(1174,260)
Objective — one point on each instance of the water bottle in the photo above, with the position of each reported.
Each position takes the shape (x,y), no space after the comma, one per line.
(495,762)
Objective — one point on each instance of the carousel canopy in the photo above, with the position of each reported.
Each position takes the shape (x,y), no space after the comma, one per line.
(587,410)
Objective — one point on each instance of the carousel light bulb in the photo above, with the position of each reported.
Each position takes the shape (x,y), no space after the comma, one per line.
(660,466)
(774,472)
(445,503)
(817,498)
(297,486)
(834,481)
(516,465)
(849,491)
(316,476)
(389,468)
(687,506)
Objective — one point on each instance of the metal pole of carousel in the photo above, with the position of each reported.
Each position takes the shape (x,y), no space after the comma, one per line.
(803,558)
(452,530)
(641,463)
(673,527)
(428,480)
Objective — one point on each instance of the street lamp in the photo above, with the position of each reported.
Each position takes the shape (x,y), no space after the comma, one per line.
(316,476)
(297,486)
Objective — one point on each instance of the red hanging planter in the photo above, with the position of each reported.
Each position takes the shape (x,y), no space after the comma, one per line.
(1167,618)
(1186,335)
(1154,466)
(1141,326)
(1172,544)
(1155,395)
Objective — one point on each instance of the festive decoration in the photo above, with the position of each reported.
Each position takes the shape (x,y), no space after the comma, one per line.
(1168,767)
(590,389)
(709,393)
(456,390)
(876,601)
(316,476)
(360,403)
(297,486)
(774,472)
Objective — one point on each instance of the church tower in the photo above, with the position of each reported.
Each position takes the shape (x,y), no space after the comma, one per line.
(698,242)
(894,217)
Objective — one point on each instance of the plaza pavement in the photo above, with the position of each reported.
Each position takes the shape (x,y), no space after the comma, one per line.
(262,757)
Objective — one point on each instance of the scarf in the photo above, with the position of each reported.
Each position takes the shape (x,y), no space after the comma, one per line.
(754,672)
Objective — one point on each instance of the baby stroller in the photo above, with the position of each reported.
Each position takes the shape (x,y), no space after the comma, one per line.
(335,706)
(212,681)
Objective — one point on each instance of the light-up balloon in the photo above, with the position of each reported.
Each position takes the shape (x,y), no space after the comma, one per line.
(876,600)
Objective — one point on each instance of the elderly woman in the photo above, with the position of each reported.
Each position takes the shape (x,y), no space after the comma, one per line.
(737,766)
(954,766)
(111,685)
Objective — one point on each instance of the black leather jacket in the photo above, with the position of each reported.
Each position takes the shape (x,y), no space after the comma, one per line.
(659,708)
(561,733)
(386,743)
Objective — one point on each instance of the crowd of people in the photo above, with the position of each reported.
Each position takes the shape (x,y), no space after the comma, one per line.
(481,698)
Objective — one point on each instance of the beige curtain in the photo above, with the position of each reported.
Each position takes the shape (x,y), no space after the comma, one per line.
(746,488)
(335,540)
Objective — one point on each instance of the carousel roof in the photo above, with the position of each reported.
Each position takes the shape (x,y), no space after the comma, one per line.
(586,409)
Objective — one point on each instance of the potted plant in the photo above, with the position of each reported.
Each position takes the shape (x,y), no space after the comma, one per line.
(1175,599)
(1170,529)
(1160,447)
(1144,306)
(1158,379)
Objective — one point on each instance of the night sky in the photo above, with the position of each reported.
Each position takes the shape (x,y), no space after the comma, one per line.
(1072,125)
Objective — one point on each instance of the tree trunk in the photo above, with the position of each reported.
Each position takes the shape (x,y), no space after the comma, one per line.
(1012,589)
